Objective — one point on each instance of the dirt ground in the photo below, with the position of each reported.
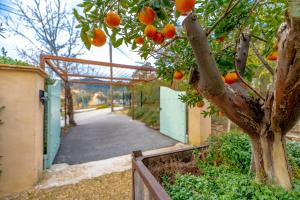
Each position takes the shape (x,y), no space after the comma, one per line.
(113,186)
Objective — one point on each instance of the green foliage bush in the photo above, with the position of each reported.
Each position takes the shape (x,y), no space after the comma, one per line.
(11,61)
(230,178)
(102,106)
(147,107)
(232,149)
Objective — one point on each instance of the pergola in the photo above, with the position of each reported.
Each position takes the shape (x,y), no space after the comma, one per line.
(81,71)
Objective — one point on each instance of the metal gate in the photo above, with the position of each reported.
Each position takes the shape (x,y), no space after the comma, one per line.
(173,115)
(52,124)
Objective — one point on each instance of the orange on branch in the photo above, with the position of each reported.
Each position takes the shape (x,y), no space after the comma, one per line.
(178,75)
(184,6)
(158,38)
(150,31)
(273,56)
(139,40)
(221,114)
(147,15)
(221,39)
(169,31)
(200,104)
(99,38)
(231,78)
(112,19)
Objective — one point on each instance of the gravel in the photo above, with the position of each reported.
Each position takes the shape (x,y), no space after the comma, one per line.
(113,186)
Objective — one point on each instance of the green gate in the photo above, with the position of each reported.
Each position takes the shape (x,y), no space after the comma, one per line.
(173,115)
(52,124)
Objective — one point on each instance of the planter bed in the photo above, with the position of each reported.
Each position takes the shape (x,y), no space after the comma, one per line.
(148,170)
(209,175)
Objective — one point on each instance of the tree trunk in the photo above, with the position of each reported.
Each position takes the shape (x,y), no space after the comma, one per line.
(270,160)
(69,101)
(266,121)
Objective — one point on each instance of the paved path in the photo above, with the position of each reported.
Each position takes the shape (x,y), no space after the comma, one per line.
(100,135)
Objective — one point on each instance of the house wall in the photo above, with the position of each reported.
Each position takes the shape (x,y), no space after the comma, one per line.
(21,135)
(199,127)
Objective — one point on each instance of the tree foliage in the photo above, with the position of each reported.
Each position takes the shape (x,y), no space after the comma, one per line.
(220,38)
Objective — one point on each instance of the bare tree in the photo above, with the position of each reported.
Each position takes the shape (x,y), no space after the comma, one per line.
(48,27)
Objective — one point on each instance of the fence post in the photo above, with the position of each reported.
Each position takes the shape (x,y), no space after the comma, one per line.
(132,99)
(141,99)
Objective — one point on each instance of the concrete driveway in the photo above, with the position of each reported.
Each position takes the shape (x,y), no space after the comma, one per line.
(100,135)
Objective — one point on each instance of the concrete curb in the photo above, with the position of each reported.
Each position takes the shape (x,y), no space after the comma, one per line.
(64,174)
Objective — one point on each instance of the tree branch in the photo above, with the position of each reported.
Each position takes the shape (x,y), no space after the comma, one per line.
(262,60)
(240,109)
(286,105)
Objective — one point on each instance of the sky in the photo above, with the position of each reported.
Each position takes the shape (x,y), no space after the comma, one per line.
(11,41)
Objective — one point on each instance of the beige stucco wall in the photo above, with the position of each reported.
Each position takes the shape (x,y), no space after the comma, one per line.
(199,127)
(21,135)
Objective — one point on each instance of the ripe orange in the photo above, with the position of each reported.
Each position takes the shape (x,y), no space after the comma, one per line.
(221,39)
(231,78)
(273,56)
(169,31)
(99,38)
(150,31)
(178,75)
(200,104)
(147,15)
(139,40)
(112,19)
(159,38)
(221,114)
(184,6)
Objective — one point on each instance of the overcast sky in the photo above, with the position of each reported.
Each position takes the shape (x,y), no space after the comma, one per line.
(96,53)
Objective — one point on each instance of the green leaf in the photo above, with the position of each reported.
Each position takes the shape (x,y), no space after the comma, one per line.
(117,43)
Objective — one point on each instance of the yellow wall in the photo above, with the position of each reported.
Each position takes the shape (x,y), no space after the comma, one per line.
(199,128)
(21,135)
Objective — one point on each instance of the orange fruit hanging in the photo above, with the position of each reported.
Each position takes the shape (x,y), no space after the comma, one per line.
(169,31)
(184,6)
(147,15)
(150,31)
(112,19)
(99,38)
(139,40)
(200,104)
(231,78)
(221,39)
(221,114)
(273,56)
(178,75)
(158,38)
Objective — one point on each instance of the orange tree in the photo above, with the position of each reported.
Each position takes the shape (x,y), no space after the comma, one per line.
(209,42)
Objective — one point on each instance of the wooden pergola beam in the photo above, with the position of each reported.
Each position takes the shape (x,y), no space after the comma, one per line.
(103,64)
(55,69)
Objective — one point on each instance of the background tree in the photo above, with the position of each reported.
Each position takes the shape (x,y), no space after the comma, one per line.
(54,33)
(215,41)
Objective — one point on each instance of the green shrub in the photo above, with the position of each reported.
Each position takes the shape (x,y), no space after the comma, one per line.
(232,149)
(230,178)
(225,184)
(11,61)
(293,149)
(102,106)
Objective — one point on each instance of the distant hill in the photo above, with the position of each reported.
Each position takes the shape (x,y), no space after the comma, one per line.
(95,87)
